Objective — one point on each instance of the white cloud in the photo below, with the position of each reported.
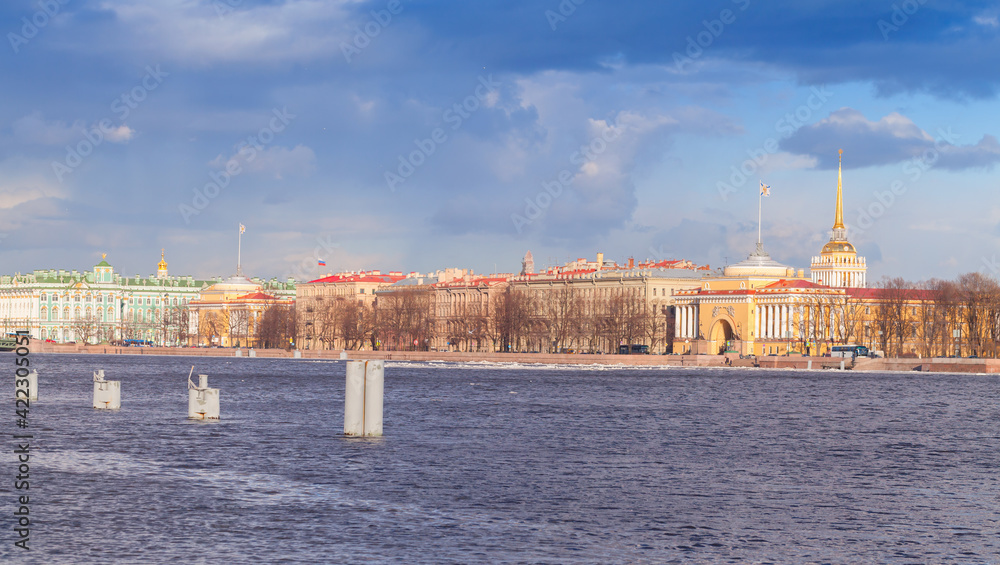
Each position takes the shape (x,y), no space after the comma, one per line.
(207,32)
(276,161)
(33,128)
(23,181)
(120,134)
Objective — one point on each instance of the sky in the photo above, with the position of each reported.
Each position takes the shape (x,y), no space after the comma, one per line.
(417,135)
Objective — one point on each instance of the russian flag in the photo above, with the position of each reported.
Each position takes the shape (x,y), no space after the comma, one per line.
(321,263)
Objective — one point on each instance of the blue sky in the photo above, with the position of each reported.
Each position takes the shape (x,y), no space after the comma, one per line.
(414,135)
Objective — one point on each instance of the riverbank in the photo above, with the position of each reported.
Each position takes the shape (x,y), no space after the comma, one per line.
(936,364)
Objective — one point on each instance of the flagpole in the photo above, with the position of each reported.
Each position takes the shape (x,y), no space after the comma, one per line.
(239,251)
(760,203)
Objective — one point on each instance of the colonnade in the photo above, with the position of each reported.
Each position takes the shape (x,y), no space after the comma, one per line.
(686,322)
(773,321)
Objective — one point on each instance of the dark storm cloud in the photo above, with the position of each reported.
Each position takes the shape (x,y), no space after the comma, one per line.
(892,139)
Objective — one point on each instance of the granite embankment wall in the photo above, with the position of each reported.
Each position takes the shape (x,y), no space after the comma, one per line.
(935,364)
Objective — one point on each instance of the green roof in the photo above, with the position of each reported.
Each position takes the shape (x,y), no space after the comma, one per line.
(103,264)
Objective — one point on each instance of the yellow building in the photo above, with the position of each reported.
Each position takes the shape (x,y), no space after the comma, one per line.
(227,313)
(761,307)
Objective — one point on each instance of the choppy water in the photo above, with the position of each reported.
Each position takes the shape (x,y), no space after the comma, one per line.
(510,465)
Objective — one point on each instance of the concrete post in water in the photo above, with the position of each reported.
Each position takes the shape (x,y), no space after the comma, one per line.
(363,398)
(107,394)
(809,364)
(343,355)
(354,399)
(374,388)
(253,353)
(841,364)
(297,354)
(203,402)
(239,352)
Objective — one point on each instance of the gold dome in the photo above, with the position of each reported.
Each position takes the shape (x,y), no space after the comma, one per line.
(838,247)
(162,265)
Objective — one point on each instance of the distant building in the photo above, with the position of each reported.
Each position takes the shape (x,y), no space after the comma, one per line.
(103,306)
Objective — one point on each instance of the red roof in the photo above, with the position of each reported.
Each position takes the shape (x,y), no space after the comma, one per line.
(360,277)
(884,293)
(255,296)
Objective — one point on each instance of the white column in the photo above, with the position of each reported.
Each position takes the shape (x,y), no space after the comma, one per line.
(784,320)
(694,330)
(684,318)
(677,321)
(756,322)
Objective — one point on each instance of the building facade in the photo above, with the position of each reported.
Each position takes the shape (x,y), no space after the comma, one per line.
(103,306)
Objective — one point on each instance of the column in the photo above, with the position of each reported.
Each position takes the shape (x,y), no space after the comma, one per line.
(677,321)
(784,320)
(756,318)
(694,326)
(685,318)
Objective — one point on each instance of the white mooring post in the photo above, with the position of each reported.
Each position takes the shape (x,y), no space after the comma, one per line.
(363,398)
(203,402)
(107,394)
(297,354)
(32,386)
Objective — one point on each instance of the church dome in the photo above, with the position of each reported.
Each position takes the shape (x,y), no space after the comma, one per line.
(759,263)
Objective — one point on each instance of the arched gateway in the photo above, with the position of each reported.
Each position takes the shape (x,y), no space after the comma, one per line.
(720,336)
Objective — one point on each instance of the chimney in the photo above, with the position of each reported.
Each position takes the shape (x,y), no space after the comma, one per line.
(631,262)
(600,261)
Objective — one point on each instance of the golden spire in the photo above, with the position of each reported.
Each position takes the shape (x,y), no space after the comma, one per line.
(162,265)
(838,222)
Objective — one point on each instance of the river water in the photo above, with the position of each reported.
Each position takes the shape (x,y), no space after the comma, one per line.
(509,464)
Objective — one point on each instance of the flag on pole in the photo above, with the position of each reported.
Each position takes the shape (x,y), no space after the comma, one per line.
(765,189)
(242,228)
(321,263)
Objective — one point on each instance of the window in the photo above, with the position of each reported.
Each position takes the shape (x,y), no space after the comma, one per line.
(76,298)
(43,297)
(868,310)
(362,291)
